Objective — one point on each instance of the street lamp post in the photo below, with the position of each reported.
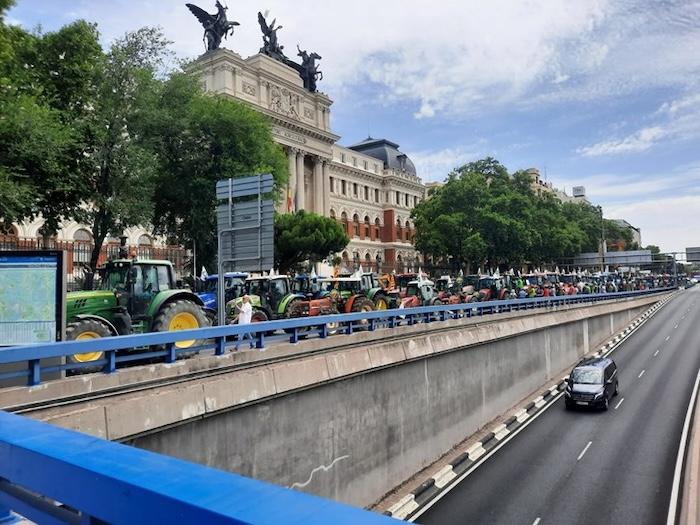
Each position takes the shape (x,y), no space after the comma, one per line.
(602,240)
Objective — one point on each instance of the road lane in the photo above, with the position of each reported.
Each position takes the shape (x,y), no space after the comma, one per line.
(625,474)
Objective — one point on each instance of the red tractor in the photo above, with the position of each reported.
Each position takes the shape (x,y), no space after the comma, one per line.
(448,291)
(420,293)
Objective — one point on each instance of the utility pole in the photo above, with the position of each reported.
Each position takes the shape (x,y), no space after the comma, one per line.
(602,240)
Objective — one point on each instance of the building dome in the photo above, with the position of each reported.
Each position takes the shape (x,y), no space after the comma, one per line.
(386,151)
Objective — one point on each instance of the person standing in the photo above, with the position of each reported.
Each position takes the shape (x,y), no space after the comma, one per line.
(245,317)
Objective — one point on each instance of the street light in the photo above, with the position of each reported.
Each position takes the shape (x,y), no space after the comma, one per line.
(602,239)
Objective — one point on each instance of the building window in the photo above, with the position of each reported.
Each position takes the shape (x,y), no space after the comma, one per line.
(82,248)
(377,228)
(407,200)
(145,245)
(331,185)
(342,157)
(356,225)
(366,164)
(354,161)
(398,198)
(345,189)
(354,189)
(332,214)
(367,227)
(366,193)
(376,168)
(407,233)
(376,195)
(415,201)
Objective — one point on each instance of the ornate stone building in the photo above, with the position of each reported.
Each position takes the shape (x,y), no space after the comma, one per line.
(370,187)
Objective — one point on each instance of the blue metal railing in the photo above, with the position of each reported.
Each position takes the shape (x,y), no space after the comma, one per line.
(57,476)
(162,345)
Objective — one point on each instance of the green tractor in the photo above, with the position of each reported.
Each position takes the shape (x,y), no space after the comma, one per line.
(382,298)
(271,297)
(135,296)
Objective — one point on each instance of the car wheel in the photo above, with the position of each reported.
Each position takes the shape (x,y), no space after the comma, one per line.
(617,385)
(606,403)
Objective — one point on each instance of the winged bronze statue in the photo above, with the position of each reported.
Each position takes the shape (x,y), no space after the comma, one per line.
(271,45)
(216,26)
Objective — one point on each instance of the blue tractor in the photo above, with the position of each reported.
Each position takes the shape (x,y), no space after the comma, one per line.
(234,285)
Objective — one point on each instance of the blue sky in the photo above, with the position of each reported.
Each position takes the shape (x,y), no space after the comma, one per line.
(603,94)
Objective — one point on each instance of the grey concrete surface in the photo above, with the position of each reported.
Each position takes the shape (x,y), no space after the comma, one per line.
(355,439)
(587,467)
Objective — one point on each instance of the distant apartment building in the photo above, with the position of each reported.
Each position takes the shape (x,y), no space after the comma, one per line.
(636,232)
(542,187)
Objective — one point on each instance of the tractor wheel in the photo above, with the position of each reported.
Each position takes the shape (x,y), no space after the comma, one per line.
(381,302)
(295,309)
(181,315)
(83,330)
(259,316)
(333,327)
(362,304)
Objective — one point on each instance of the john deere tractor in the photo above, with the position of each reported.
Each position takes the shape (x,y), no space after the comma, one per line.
(135,296)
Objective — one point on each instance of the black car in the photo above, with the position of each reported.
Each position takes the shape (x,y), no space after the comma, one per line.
(592,383)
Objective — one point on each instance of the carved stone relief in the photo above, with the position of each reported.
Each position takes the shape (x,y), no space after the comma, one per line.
(249,89)
(283,101)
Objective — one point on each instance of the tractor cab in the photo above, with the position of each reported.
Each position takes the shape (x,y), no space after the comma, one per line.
(491,288)
(234,283)
(420,293)
(135,283)
(270,290)
(306,285)
(347,293)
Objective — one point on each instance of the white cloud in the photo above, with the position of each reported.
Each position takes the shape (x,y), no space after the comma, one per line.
(675,120)
(435,165)
(670,223)
(455,58)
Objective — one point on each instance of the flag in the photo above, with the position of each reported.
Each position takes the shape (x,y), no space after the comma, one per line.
(203,276)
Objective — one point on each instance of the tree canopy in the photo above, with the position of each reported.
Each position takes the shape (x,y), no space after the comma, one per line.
(109,138)
(482,216)
(304,236)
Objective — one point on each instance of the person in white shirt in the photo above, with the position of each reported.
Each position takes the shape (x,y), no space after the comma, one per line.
(245,316)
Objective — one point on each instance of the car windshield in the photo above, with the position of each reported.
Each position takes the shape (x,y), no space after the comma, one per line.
(587,376)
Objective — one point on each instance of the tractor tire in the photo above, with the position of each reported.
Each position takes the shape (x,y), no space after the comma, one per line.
(82,330)
(181,315)
(333,327)
(362,304)
(381,302)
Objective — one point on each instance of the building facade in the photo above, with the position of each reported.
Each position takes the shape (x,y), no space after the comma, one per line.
(370,187)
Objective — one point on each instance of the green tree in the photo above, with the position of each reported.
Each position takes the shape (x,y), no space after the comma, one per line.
(200,139)
(304,236)
(43,83)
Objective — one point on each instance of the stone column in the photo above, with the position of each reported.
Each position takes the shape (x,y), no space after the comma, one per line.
(326,188)
(301,185)
(318,185)
(292,187)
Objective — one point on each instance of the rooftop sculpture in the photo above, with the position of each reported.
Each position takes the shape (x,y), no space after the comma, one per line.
(216,26)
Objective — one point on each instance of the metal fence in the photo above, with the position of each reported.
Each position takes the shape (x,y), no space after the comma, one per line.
(161,346)
(79,255)
(58,476)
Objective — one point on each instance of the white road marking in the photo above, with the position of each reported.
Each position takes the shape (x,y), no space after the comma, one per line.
(668,337)
(584,451)
(673,506)
(536,522)
(618,405)
(641,374)
(675,327)
(656,353)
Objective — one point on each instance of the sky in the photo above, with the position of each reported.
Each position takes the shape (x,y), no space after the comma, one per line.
(597,93)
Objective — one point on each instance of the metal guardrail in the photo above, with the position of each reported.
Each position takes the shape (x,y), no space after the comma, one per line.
(162,345)
(57,476)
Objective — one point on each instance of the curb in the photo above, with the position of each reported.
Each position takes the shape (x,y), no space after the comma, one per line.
(410,504)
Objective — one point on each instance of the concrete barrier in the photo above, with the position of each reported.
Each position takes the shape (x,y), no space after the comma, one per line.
(351,424)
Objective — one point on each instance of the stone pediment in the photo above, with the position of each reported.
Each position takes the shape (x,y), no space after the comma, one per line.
(299,116)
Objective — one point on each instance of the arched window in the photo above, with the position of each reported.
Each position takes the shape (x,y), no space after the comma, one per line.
(332,214)
(368,260)
(82,247)
(356,225)
(356,260)
(407,232)
(367,226)
(145,246)
(8,236)
(377,228)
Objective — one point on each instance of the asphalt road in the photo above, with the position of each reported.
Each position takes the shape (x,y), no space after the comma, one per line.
(588,467)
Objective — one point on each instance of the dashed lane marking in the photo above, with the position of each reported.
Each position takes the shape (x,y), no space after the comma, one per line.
(656,353)
(618,405)
(536,522)
(583,453)
(675,327)
(668,337)
(641,374)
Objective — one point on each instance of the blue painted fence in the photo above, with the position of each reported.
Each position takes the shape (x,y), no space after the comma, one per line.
(56,476)
(160,346)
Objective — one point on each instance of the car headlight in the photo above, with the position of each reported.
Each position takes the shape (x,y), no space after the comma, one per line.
(599,394)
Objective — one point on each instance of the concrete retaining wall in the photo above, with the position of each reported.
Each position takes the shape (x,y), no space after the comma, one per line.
(408,402)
